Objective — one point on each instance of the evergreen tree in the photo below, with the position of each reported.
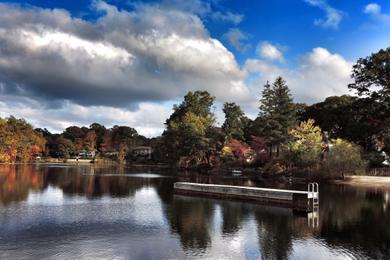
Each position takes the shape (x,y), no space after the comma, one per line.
(278,114)
(235,121)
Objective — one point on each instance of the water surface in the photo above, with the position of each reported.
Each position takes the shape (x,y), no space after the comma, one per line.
(83,212)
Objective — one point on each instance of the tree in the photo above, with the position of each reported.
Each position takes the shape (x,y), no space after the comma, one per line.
(306,145)
(100,131)
(235,121)
(372,80)
(123,135)
(122,153)
(335,115)
(19,141)
(65,147)
(344,158)
(278,113)
(89,140)
(188,128)
(372,75)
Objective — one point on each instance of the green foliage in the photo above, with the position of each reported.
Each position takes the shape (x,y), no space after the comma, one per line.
(189,129)
(306,144)
(372,75)
(235,121)
(372,80)
(343,158)
(278,113)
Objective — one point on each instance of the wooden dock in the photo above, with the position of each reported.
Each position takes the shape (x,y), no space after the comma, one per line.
(298,200)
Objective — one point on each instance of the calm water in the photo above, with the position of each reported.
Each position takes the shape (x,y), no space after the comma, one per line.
(69,212)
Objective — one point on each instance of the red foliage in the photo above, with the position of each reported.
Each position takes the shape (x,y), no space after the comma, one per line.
(35,150)
(240,150)
(260,147)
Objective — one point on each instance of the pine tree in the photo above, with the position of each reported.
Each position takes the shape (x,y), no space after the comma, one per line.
(277,113)
(235,121)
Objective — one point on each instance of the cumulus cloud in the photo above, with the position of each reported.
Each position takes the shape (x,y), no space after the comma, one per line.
(148,118)
(237,39)
(149,54)
(270,52)
(375,11)
(204,9)
(319,74)
(333,15)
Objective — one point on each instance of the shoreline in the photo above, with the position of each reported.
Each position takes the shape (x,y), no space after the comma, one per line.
(366,181)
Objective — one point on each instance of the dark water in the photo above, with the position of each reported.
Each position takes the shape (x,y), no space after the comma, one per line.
(68,212)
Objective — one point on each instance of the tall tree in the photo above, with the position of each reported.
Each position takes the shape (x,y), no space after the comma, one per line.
(235,121)
(100,131)
(188,128)
(372,81)
(372,75)
(278,113)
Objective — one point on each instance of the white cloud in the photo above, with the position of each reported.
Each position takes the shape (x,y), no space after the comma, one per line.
(148,118)
(227,17)
(319,74)
(270,52)
(372,8)
(333,15)
(237,39)
(375,11)
(148,54)
(204,9)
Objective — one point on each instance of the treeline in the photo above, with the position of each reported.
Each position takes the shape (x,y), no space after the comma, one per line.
(330,136)
(95,141)
(341,134)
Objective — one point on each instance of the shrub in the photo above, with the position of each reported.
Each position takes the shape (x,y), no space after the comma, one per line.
(343,158)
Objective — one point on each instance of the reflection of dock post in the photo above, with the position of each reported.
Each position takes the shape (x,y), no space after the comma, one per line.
(313,216)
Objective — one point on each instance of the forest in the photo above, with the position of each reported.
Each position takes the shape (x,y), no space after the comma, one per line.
(340,135)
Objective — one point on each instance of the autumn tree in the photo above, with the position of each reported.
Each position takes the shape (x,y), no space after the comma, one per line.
(306,144)
(122,152)
(100,131)
(19,141)
(89,140)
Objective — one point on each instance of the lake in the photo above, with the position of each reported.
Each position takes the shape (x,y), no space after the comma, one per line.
(87,212)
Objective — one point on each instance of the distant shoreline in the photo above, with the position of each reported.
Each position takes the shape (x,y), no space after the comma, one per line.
(366,181)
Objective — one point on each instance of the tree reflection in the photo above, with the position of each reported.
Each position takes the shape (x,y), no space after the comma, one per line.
(16,181)
(275,236)
(191,219)
(233,214)
(357,218)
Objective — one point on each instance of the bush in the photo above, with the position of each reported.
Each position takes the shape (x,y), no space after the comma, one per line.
(343,158)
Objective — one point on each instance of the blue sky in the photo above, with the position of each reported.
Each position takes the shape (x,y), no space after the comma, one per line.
(117,62)
(290,23)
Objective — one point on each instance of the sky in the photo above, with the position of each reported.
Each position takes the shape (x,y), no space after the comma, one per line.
(114,62)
